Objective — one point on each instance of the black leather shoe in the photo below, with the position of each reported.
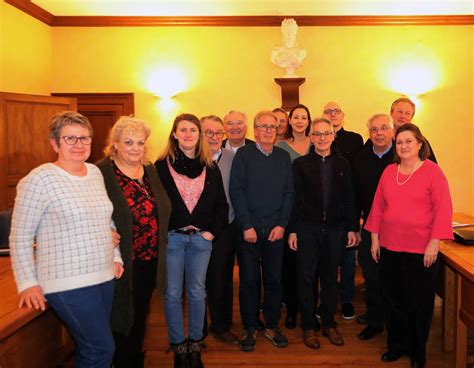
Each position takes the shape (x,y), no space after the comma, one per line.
(290,322)
(391,356)
(369,332)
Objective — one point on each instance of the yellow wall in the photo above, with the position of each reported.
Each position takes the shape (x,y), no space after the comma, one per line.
(229,68)
(25,53)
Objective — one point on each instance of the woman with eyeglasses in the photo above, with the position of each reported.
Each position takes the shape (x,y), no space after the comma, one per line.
(141,215)
(199,213)
(323,216)
(410,214)
(297,144)
(63,207)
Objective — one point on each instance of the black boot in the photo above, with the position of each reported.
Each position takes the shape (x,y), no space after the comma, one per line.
(194,355)
(180,354)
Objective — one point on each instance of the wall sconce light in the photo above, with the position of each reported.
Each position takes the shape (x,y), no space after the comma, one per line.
(166,83)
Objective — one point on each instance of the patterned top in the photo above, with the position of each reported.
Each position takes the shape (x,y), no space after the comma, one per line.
(190,189)
(71,218)
(145,215)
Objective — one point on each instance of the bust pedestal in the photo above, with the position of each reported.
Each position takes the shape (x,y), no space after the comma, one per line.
(290,94)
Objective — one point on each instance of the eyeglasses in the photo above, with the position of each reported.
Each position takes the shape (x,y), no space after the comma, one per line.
(321,134)
(72,140)
(375,130)
(234,123)
(267,128)
(332,111)
(210,134)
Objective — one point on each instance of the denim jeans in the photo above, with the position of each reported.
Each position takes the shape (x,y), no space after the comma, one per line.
(187,258)
(86,313)
(268,255)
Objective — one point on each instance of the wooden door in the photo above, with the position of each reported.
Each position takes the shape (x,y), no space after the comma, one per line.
(102,110)
(24,142)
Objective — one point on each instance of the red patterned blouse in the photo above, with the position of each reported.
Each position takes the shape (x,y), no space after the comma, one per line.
(145,215)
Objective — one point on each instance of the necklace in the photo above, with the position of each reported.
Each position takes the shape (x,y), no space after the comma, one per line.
(409,176)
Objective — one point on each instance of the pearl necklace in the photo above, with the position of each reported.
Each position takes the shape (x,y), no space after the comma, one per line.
(409,176)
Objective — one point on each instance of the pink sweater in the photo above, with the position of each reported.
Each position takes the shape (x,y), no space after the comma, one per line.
(407,216)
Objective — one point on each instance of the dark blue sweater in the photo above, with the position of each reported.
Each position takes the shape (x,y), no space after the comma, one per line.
(261,188)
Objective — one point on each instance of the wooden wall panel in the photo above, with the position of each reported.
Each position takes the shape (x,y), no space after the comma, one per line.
(24,144)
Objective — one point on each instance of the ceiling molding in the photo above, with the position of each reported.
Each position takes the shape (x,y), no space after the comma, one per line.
(237,21)
(260,21)
(32,9)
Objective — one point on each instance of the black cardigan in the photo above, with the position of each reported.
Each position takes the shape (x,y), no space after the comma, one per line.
(309,208)
(211,211)
(122,310)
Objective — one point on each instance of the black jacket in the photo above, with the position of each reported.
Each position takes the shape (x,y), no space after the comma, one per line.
(347,144)
(309,207)
(122,309)
(368,169)
(211,211)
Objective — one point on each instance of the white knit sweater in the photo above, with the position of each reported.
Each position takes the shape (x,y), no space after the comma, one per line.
(70,217)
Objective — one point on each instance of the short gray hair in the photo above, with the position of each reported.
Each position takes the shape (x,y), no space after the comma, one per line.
(65,118)
(237,112)
(376,116)
(256,120)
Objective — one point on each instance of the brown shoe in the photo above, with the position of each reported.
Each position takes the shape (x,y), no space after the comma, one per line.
(311,339)
(227,337)
(333,336)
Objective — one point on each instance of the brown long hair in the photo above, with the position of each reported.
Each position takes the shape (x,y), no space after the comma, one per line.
(424,151)
(289,130)
(202,148)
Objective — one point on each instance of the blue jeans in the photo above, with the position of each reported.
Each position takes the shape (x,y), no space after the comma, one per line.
(187,256)
(86,313)
(347,274)
(252,256)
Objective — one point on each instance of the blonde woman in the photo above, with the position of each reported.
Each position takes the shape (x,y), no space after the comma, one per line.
(141,214)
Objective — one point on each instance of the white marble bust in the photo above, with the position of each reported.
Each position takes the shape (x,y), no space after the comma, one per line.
(288,56)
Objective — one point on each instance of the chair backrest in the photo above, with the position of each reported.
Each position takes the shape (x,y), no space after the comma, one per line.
(5,223)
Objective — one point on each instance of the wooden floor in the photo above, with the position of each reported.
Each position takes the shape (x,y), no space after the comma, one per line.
(354,353)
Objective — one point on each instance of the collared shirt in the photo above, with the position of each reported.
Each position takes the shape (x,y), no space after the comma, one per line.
(217,156)
(232,148)
(380,155)
(261,150)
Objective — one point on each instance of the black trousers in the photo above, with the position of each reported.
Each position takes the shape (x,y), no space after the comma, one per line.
(289,280)
(372,279)
(408,292)
(128,348)
(318,248)
(219,281)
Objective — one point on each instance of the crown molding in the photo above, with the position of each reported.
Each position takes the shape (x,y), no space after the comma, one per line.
(260,21)
(32,9)
(238,21)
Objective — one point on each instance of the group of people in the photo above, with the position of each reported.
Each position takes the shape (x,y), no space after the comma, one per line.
(289,206)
